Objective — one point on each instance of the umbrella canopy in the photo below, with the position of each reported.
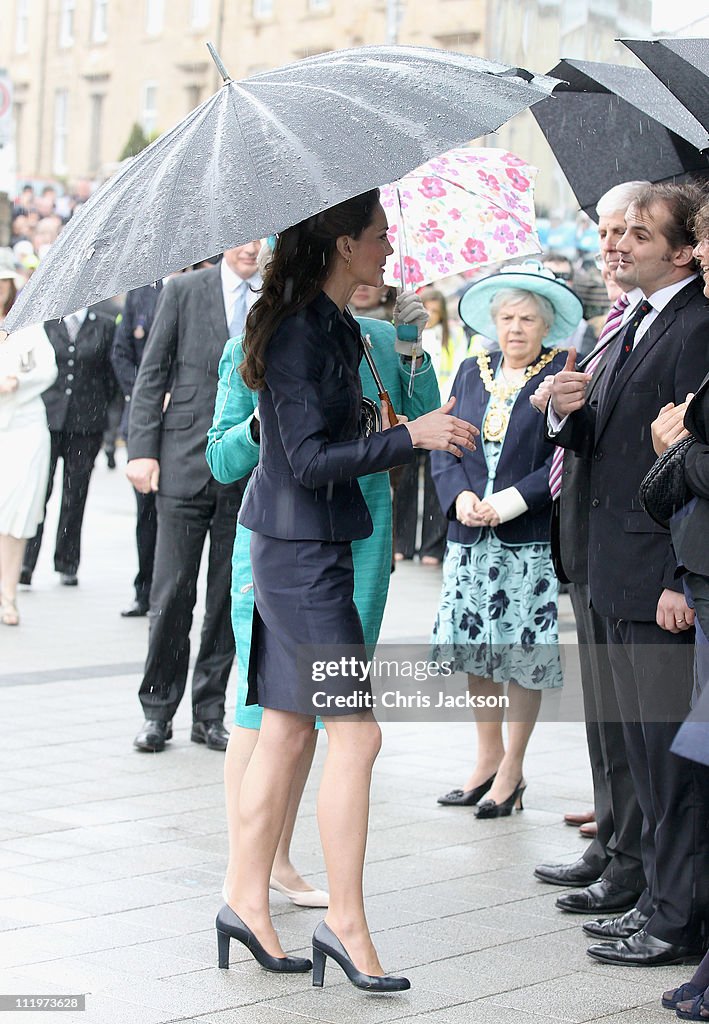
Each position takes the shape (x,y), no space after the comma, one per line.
(612,123)
(466,208)
(682,65)
(265,153)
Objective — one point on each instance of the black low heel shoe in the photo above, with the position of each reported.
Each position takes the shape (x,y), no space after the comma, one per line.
(229,926)
(326,943)
(489,809)
(468,797)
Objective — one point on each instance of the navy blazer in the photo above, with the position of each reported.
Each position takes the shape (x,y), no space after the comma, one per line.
(525,459)
(305,486)
(78,400)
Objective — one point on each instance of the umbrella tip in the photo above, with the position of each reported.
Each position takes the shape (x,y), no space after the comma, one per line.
(218,61)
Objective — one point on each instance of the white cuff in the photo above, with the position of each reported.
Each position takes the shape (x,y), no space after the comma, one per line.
(508,503)
(554,422)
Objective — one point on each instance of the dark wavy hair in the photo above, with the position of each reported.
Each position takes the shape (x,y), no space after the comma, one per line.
(9,301)
(301,263)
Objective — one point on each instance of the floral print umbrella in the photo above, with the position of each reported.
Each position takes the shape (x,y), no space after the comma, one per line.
(457,212)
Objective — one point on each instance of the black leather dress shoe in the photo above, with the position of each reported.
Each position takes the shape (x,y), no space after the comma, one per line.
(643,950)
(135,611)
(68,579)
(153,736)
(602,897)
(26,577)
(576,874)
(617,927)
(211,732)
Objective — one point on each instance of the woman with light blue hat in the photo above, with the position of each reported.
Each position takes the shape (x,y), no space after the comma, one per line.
(497,618)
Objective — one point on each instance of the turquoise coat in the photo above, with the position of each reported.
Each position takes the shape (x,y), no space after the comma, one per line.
(232,453)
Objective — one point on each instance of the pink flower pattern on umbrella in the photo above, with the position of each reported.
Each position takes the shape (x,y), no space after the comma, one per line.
(431,231)
(432,188)
(468,208)
(518,180)
(474,251)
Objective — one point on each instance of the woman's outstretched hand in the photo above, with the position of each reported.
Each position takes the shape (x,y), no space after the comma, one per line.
(439,431)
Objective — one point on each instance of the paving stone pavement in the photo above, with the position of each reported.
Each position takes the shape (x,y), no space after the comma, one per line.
(111,861)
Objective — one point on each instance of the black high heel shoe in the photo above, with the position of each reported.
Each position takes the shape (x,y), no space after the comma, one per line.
(468,797)
(490,809)
(230,926)
(326,943)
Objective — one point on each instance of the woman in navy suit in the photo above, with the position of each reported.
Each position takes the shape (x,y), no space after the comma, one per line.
(497,618)
(305,507)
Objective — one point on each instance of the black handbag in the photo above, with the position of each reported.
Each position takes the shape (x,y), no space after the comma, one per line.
(370,417)
(664,490)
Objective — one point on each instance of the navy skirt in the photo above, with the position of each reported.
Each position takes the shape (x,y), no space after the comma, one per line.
(307,646)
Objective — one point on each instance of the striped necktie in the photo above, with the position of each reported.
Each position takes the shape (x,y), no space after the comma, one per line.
(613,322)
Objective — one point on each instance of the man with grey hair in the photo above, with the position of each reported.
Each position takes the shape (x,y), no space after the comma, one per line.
(610,872)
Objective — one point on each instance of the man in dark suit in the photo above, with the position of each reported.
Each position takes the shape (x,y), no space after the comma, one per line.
(171,409)
(77,410)
(609,874)
(128,347)
(660,355)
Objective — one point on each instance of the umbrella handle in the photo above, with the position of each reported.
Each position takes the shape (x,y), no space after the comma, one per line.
(386,401)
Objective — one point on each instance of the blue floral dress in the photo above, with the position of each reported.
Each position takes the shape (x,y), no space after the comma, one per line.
(498,614)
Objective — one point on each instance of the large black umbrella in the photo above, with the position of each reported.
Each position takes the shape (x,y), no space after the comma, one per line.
(683,66)
(610,123)
(265,153)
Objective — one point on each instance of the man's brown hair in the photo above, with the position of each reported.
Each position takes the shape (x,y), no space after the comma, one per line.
(682,202)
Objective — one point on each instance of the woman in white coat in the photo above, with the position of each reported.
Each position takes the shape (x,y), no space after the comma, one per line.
(27,368)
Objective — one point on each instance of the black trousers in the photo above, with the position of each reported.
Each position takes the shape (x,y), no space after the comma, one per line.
(78,453)
(652,673)
(615,851)
(434,525)
(183,526)
(146,532)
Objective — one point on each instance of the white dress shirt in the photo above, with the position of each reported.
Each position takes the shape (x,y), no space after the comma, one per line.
(231,286)
(658,300)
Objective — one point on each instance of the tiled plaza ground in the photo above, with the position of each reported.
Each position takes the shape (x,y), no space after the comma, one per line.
(111,862)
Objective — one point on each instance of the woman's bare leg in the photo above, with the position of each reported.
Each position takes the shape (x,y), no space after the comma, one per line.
(283,871)
(263,805)
(238,754)
(488,727)
(343,816)
(521,719)
(11,551)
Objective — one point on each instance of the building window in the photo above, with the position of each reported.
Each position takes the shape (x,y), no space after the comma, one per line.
(199,13)
(154,16)
(194,96)
(149,114)
(262,8)
(99,21)
(18,110)
(66,23)
(22,20)
(95,125)
(61,131)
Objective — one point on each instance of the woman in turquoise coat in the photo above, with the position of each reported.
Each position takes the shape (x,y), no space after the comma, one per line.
(232,452)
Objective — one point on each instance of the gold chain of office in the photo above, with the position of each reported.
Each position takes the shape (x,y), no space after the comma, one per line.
(498,415)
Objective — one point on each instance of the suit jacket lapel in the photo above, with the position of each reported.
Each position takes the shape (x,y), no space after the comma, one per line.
(215,315)
(214,302)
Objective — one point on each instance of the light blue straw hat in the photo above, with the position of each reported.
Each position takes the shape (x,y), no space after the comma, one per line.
(474,306)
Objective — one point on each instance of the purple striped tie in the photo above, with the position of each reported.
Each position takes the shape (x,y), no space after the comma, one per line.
(613,321)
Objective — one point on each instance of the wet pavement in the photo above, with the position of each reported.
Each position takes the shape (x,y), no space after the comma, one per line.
(111,861)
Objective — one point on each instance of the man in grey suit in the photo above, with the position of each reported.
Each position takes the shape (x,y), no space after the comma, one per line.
(170,412)
(609,874)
